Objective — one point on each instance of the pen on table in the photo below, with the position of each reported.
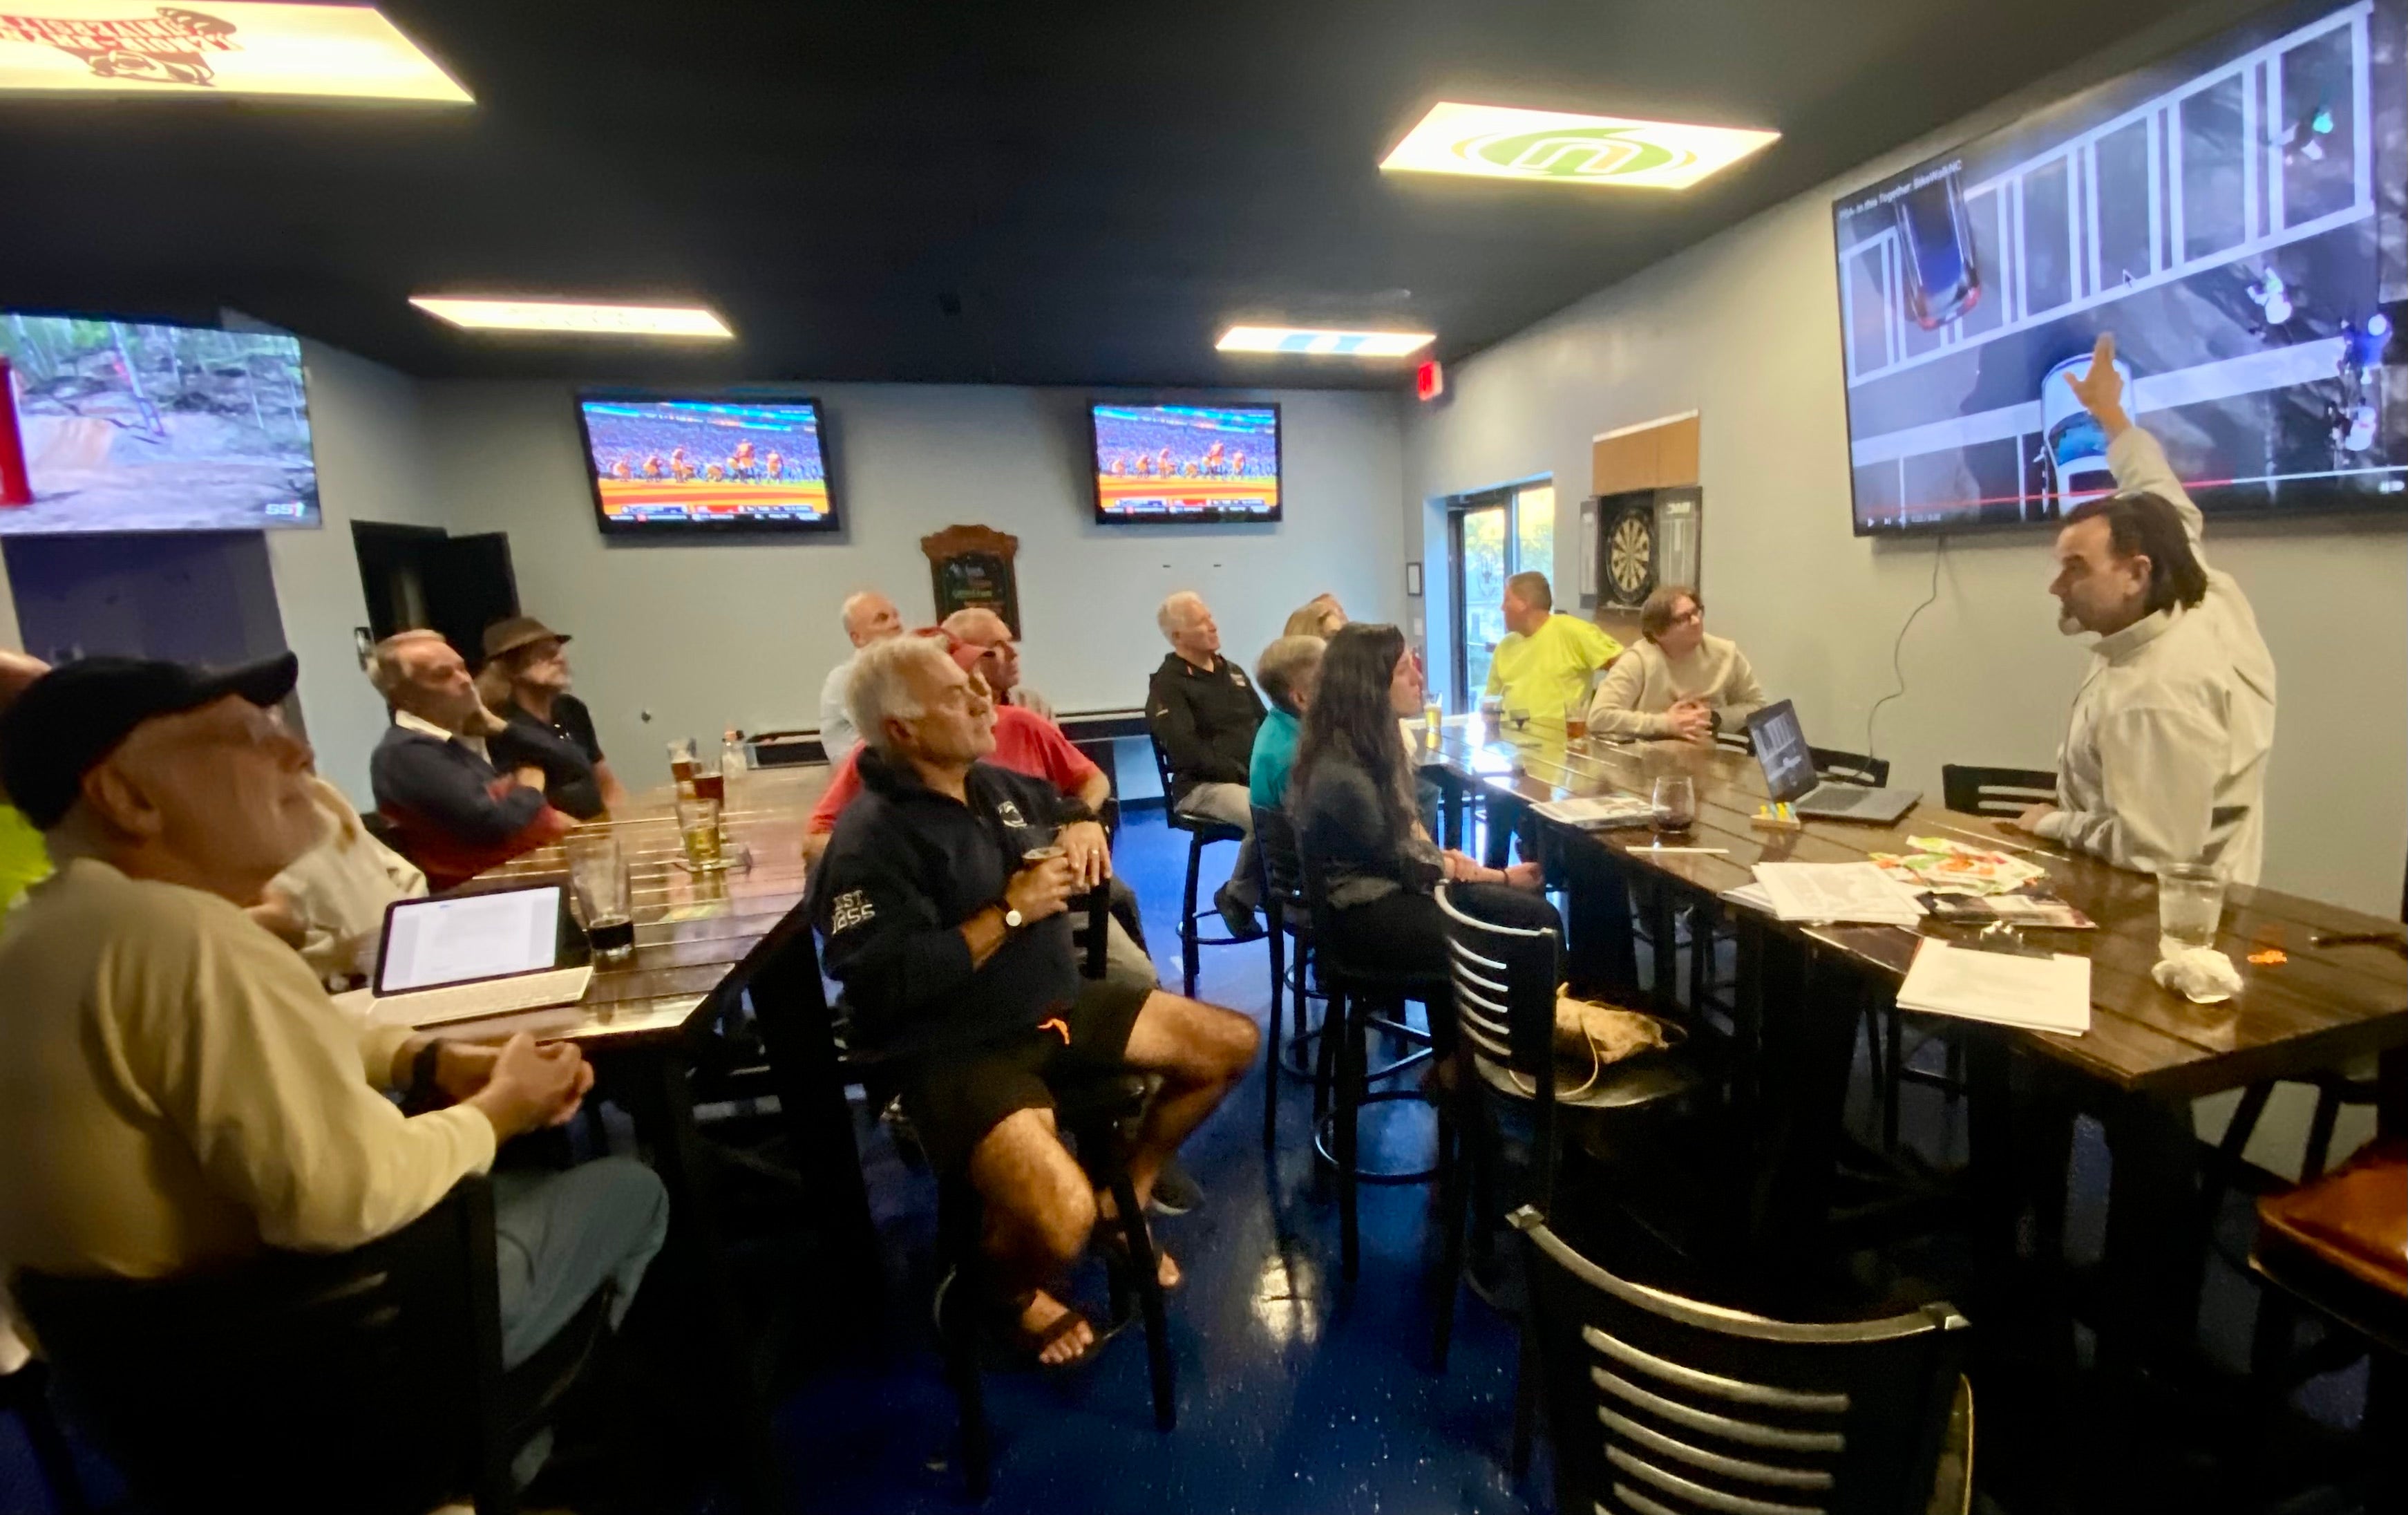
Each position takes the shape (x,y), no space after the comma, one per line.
(1718,851)
(2357,939)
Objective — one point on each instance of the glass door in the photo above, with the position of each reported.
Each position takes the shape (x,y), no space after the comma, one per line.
(1496,534)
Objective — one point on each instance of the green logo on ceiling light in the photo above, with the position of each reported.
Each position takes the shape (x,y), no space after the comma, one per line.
(1572,152)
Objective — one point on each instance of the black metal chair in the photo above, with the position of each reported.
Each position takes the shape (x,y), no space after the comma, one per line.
(1658,1403)
(1506,979)
(1355,990)
(803,1037)
(26,1394)
(1840,766)
(2001,793)
(1201,833)
(369,1380)
(1286,916)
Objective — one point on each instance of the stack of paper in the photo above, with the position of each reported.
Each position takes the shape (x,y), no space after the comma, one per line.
(1602,812)
(2050,993)
(1850,893)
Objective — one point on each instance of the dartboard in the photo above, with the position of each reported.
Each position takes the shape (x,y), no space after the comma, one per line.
(1630,555)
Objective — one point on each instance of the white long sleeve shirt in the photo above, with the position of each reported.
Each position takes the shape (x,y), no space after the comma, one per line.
(2165,753)
(836,732)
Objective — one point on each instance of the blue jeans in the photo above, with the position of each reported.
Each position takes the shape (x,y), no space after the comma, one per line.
(559,1236)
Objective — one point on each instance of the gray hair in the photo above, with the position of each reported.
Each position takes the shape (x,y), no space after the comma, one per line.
(387,673)
(1531,589)
(1174,613)
(882,686)
(1289,667)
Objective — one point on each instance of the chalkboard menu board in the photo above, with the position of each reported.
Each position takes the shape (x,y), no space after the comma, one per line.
(971,566)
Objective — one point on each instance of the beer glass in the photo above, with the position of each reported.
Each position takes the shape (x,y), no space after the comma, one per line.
(698,829)
(597,878)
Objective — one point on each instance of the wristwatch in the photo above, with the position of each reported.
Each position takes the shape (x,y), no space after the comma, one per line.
(1012,919)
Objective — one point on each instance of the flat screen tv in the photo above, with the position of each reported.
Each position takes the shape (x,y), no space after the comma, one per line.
(2233,214)
(663,465)
(137,427)
(1162,464)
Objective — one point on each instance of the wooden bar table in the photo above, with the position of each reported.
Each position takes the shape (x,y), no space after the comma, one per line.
(2147,1053)
(698,938)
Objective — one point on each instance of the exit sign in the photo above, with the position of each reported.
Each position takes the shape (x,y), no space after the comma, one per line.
(1429,380)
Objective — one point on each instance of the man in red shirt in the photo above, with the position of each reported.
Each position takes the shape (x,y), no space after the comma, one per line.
(1024,742)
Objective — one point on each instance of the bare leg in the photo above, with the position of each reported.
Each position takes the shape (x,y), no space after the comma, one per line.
(1200,1052)
(1039,1211)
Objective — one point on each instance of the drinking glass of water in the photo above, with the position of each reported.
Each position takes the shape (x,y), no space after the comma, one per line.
(2190,906)
(597,877)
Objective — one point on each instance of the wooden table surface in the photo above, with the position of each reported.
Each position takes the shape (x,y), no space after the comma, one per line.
(692,930)
(2322,1007)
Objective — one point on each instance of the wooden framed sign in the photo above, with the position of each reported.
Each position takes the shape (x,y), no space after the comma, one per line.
(971,566)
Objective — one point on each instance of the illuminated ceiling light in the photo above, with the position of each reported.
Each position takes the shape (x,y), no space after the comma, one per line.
(1312,339)
(569,316)
(1556,147)
(233,47)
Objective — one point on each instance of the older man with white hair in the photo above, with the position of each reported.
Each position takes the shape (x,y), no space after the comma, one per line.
(869,617)
(176,1094)
(942,898)
(454,814)
(1202,712)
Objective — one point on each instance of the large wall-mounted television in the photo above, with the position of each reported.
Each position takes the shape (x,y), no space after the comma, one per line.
(129,426)
(668,465)
(1162,464)
(2233,214)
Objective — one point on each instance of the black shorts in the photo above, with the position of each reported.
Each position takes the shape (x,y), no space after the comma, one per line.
(955,1098)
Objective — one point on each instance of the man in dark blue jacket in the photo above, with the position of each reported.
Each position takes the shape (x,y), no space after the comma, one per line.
(453,813)
(943,900)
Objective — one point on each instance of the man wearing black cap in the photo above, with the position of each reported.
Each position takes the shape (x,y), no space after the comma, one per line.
(176,1093)
(549,729)
(453,813)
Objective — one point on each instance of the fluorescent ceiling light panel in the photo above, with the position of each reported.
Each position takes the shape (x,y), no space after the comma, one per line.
(1311,340)
(569,316)
(1556,147)
(127,47)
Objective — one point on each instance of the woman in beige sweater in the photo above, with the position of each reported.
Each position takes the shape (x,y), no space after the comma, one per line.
(1675,681)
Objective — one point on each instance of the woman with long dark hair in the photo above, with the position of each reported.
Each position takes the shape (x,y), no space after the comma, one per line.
(1353,799)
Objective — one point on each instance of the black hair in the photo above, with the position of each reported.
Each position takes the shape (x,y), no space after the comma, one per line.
(1349,718)
(2149,527)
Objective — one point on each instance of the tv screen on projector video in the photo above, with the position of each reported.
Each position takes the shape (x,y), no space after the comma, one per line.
(128,426)
(663,465)
(1162,464)
(2233,214)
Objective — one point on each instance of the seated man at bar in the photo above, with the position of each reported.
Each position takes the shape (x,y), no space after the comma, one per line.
(868,618)
(453,813)
(176,1093)
(2164,756)
(1024,743)
(1287,672)
(547,728)
(980,627)
(945,920)
(1203,715)
(1546,658)
(23,860)
(1677,679)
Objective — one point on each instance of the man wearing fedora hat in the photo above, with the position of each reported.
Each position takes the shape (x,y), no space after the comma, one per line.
(549,729)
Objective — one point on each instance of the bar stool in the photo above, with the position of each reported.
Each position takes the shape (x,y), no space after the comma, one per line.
(1286,916)
(1201,833)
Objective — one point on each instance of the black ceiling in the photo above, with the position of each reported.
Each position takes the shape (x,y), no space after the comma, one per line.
(986,191)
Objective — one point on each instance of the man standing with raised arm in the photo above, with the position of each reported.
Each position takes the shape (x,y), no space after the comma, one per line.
(2164,759)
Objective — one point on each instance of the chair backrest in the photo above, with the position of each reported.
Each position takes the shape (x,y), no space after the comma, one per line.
(1505,980)
(1161,764)
(368,1380)
(2001,792)
(1734,736)
(1850,768)
(1662,1403)
(1277,855)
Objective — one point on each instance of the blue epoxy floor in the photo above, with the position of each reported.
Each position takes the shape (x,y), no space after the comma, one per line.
(1297,1393)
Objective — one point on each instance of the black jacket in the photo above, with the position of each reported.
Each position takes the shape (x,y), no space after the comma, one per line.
(1204,722)
(904,869)
(447,786)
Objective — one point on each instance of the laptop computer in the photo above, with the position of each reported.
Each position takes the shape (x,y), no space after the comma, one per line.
(469,955)
(1789,773)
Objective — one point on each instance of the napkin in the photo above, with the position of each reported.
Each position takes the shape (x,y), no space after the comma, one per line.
(2202,975)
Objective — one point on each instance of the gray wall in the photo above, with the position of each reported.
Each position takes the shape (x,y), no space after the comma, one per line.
(1744,328)
(707,636)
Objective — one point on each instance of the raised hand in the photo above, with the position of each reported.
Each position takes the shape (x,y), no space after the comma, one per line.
(2101,390)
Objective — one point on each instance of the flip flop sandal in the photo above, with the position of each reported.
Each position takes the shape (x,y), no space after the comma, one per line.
(1028,1345)
(1115,1244)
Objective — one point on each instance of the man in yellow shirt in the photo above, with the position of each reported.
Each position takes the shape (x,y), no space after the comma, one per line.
(1545,662)
(176,1089)
(22,859)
